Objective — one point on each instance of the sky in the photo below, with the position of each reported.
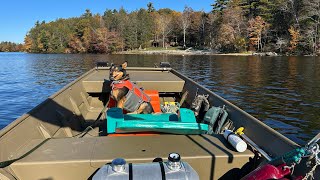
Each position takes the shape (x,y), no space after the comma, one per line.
(17,17)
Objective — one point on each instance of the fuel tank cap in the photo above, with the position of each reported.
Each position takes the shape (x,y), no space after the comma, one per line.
(174,157)
(118,165)
(174,163)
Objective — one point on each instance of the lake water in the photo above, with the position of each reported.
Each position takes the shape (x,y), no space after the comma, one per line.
(282,92)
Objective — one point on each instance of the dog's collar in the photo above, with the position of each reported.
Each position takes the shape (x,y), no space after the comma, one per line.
(118,82)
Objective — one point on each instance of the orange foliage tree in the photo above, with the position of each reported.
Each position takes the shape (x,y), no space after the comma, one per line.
(257,27)
(295,35)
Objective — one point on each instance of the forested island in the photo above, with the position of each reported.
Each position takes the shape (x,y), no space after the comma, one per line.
(11,47)
(288,27)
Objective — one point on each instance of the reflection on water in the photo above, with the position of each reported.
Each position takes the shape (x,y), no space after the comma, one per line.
(283,92)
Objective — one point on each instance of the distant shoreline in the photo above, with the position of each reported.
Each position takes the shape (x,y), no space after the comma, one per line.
(177,52)
(155,52)
(181,52)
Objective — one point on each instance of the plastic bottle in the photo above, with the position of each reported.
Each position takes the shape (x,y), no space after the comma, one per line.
(235,140)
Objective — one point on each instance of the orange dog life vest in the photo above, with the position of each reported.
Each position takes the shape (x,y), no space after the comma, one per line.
(135,96)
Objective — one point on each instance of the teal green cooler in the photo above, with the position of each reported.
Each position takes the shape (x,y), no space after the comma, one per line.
(185,123)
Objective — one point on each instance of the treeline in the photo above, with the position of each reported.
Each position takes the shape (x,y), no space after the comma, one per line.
(10,47)
(283,26)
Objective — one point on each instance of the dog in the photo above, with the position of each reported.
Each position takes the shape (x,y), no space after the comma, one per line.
(127,95)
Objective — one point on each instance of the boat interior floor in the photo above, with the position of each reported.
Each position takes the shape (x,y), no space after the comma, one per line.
(210,155)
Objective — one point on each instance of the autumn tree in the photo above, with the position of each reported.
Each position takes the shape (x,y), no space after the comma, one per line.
(175,34)
(214,23)
(257,27)
(227,38)
(155,30)
(185,22)
(310,15)
(43,41)
(231,26)
(27,43)
(203,27)
(10,47)
(75,45)
(104,41)
(232,31)
(195,29)
(294,40)
(164,25)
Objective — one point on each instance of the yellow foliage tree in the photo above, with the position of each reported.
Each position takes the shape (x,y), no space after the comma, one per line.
(27,44)
(295,35)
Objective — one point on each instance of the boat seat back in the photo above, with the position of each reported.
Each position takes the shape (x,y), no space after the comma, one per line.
(162,81)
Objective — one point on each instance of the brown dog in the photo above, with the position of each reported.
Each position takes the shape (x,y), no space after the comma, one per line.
(128,95)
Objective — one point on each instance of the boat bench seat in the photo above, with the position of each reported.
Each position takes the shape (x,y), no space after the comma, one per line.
(162,81)
(74,158)
(185,123)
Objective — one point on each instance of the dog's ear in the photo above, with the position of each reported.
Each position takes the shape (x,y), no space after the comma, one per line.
(124,65)
(111,67)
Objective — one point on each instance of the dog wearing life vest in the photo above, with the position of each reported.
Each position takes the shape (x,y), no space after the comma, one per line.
(128,95)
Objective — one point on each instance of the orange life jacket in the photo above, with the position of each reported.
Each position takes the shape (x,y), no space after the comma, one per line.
(135,96)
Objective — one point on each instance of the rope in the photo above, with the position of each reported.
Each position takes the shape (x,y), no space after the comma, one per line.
(314,151)
(294,157)
(291,157)
(86,130)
